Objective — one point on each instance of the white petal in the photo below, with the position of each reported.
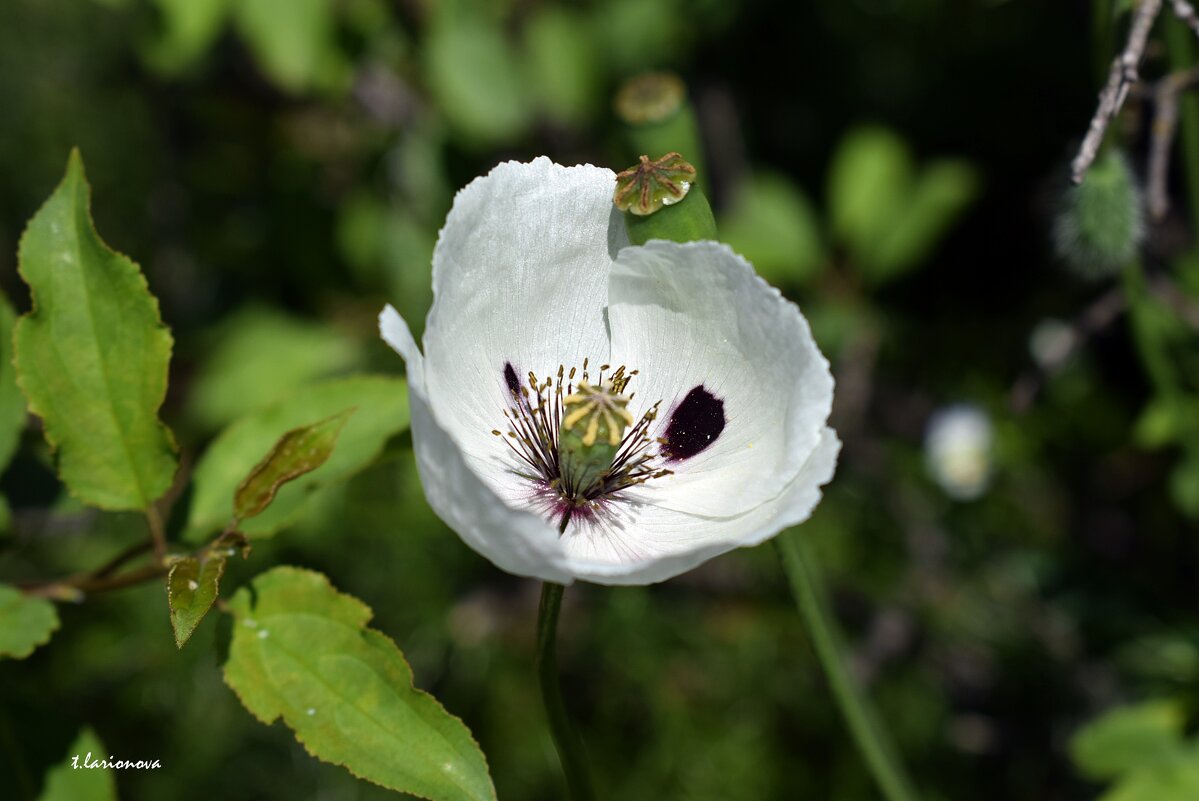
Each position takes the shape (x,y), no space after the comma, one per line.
(694,314)
(520,277)
(647,544)
(516,541)
(395,332)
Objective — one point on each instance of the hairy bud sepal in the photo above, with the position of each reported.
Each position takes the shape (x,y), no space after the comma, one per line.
(1101,224)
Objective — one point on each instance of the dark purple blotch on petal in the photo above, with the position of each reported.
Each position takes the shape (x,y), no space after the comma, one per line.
(511,380)
(694,425)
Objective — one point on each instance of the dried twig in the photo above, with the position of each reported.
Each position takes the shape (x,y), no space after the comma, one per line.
(1161,141)
(1186,13)
(1170,295)
(1097,316)
(1122,76)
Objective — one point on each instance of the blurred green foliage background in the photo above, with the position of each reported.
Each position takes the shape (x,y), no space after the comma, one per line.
(280,169)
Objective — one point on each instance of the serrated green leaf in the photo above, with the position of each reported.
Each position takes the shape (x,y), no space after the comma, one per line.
(293,41)
(301,652)
(1127,739)
(382,411)
(92,355)
(25,623)
(297,452)
(12,402)
(65,782)
(194,583)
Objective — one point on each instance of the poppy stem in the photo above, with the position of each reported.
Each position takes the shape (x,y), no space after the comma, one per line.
(566,739)
(807,585)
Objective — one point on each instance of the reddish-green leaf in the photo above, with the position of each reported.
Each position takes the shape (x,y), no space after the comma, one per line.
(297,452)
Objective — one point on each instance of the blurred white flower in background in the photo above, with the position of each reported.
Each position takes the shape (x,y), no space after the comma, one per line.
(1051,343)
(958,445)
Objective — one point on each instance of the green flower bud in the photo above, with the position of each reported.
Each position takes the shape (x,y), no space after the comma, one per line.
(1101,223)
(661,201)
(658,118)
(650,98)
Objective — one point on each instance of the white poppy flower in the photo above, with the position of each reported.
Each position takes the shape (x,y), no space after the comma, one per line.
(585,409)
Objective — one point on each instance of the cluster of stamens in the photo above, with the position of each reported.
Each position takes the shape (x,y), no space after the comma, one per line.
(577,441)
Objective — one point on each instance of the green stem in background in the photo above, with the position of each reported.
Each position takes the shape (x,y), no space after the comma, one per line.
(157,532)
(1144,320)
(1101,38)
(566,739)
(807,586)
(1182,57)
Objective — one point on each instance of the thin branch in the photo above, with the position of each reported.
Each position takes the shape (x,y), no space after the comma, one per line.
(1168,293)
(76,580)
(1098,315)
(1121,77)
(157,532)
(133,551)
(77,588)
(1165,123)
(1186,13)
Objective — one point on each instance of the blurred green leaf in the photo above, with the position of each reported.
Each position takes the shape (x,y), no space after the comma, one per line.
(942,192)
(638,35)
(1172,657)
(382,411)
(12,402)
(1162,421)
(563,64)
(294,41)
(189,27)
(1184,482)
(1127,739)
(260,356)
(773,225)
(869,184)
(194,583)
(474,74)
(65,782)
(92,355)
(889,216)
(1176,779)
(390,251)
(25,623)
(297,452)
(301,651)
